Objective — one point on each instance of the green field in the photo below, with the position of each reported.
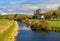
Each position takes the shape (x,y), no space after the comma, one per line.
(54,23)
(4,21)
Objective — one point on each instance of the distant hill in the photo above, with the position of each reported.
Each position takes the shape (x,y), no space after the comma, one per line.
(51,12)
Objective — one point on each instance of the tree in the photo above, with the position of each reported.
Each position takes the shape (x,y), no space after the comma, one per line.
(38,11)
(54,15)
(59,7)
(15,15)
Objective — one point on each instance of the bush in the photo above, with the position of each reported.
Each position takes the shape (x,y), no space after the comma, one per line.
(44,25)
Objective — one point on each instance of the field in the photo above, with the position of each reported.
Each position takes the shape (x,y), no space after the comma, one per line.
(4,21)
(54,23)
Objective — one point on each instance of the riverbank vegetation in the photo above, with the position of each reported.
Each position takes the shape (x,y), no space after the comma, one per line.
(52,25)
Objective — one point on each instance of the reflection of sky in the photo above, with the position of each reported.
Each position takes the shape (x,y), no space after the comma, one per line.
(27,6)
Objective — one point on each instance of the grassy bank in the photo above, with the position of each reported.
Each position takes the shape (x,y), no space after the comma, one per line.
(55,25)
(4,36)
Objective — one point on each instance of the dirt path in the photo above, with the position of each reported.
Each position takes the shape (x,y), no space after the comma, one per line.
(4,27)
(14,33)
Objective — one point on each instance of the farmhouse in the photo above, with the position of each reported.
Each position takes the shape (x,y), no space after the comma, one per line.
(39,15)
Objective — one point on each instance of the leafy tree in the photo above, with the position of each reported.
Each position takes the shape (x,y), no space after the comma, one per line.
(54,14)
(15,15)
(38,11)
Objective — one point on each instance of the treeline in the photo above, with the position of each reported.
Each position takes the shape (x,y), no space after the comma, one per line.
(15,16)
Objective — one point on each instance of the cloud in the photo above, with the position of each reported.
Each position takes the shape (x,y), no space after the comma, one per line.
(12,2)
(28,6)
(17,2)
(10,9)
(44,7)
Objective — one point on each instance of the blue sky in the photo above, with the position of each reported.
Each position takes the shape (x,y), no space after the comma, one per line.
(27,6)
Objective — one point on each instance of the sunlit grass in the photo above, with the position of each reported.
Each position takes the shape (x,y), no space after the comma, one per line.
(3,21)
(54,23)
(4,36)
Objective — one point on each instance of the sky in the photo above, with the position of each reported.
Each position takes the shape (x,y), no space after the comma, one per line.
(27,6)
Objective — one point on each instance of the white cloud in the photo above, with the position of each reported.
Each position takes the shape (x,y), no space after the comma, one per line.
(10,10)
(48,5)
(52,6)
(3,13)
(44,7)
(29,7)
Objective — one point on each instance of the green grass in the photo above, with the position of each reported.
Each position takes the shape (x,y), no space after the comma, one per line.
(3,21)
(54,23)
(4,36)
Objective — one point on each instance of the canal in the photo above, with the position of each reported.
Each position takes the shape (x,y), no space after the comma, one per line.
(26,34)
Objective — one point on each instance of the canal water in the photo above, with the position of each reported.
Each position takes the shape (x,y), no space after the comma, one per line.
(26,34)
